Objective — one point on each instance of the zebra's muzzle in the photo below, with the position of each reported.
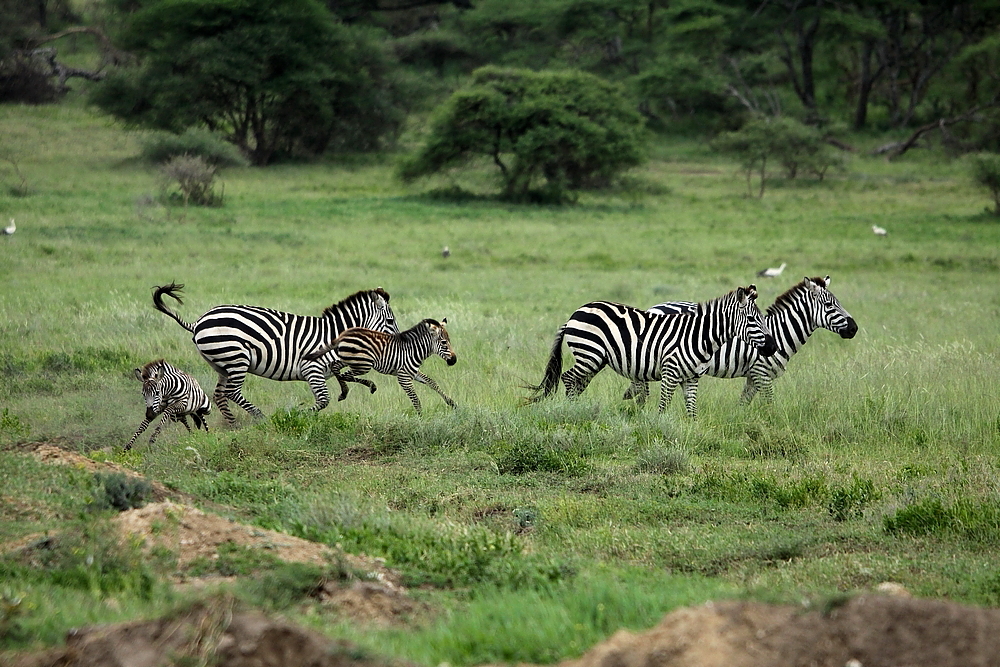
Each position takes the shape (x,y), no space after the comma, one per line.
(150,414)
(451,360)
(850,330)
(769,347)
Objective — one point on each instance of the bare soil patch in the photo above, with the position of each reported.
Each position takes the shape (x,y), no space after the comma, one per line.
(867,631)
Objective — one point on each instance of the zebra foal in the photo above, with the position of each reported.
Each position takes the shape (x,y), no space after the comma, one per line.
(360,350)
(241,340)
(791,319)
(644,346)
(172,393)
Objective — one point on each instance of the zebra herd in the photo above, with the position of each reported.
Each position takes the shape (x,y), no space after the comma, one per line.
(674,342)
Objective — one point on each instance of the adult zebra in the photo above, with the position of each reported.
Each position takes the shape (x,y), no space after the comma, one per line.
(237,340)
(174,394)
(791,319)
(644,346)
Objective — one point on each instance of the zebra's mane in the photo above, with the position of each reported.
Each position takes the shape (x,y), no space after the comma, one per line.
(704,305)
(148,367)
(363,295)
(787,299)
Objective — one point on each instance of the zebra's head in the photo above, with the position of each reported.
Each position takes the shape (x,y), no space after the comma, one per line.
(150,376)
(826,310)
(750,325)
(442,342)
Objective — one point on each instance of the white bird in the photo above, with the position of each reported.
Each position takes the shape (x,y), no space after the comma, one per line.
(772,272)
(446,253)
(10,229)
(879,231)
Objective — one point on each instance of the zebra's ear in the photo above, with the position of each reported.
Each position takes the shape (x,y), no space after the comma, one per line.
(828,282)
(444,321)
(138,374)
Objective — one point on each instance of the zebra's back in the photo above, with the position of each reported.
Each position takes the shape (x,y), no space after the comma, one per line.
(275,341)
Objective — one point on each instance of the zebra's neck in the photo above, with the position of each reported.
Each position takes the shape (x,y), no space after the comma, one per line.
(791,325)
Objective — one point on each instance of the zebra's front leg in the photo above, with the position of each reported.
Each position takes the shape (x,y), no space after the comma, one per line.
(142,427)
(159,425)
(691,396)
(182,419)
(406,382)
(433,385)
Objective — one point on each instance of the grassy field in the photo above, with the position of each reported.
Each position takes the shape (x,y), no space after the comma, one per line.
(531,532)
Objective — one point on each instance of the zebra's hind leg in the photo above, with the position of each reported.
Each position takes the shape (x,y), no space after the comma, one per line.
(433,385)
(182,419)
(577,378)
(221,398)
(200,420)
(348,377)
(639,390)
(234,392)
(314,375)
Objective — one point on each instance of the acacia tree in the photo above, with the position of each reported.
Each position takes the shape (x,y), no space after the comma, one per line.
(275,77)
(570,130)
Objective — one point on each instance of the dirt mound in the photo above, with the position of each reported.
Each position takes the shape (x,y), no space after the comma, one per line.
(214,632)
(867,631)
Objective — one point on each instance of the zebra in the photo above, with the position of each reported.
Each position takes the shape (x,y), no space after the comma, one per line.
(644,346)
(361,350)
(791,319)
(237,340)
(174,394)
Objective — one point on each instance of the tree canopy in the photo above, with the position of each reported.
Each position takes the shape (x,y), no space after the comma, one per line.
(276,77)
(569,130)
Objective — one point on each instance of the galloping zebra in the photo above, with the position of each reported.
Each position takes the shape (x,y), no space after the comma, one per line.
(791,319)
(172,393)
(644,346)
(361,350)
(236,340)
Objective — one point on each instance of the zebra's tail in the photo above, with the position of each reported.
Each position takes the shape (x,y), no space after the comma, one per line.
(552,371)
(173,291)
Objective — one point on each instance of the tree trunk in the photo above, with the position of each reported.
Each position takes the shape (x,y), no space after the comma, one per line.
(865,83)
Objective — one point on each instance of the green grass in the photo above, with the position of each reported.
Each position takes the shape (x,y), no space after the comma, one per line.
(877,461)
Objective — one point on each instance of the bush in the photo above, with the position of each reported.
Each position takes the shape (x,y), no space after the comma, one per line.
(547,132)
(119,491)
(162,146)
(986,172)
(194,177)
(793,145)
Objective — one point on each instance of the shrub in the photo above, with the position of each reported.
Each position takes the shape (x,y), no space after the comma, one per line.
(119,491)
(848,502)
(194,177)
(986,172)
(160,147)
(547,132)
(793,145)
(662,461)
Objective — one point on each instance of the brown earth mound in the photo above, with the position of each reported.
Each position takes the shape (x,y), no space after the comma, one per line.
(215,632)
(867,631)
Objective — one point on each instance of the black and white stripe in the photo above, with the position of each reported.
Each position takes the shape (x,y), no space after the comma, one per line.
(644,346)
(361,350)
(791,319)
(237,340)
(170,392)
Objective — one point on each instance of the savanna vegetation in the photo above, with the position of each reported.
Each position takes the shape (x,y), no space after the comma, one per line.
(253,150)
(530,531)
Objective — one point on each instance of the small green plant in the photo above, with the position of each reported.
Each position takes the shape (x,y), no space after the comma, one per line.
(119,491)
(662,461)
(161,147)
(193,177)
(850,502)
(11,424)
(927,517)
(986,172)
